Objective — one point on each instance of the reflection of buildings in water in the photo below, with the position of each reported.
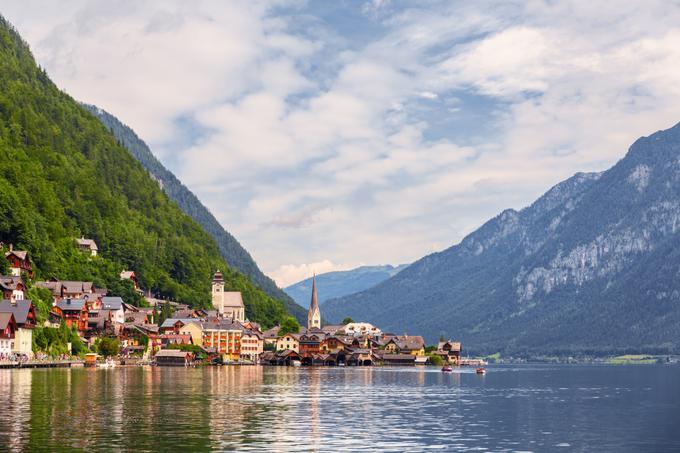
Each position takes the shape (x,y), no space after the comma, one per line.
(314,412)
(15,414)
(233,391)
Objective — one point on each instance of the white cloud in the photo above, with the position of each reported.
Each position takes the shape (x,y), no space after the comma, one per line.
(292,273)
(313,144)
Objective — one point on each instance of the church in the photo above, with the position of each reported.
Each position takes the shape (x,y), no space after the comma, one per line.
(314,314)
(228,303)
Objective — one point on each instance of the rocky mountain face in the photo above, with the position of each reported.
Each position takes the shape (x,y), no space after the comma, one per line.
(230,249)
(593,266)
(341,283)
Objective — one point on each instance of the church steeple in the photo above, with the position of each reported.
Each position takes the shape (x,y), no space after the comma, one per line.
(314,314)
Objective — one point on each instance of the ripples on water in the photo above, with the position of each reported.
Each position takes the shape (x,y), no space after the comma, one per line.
(527,408)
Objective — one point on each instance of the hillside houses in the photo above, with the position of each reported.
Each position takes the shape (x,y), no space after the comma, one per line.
(87,246)
(19,262)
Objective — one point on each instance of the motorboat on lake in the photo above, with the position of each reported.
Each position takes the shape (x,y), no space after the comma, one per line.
(480,370)
(447,369)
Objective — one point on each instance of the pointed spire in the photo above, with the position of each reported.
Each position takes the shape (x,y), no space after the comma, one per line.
(314,314)
(314,304)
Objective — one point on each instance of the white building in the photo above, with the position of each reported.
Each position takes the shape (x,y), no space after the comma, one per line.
(228,303)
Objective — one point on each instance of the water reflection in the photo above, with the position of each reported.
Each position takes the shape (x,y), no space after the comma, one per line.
(331,409)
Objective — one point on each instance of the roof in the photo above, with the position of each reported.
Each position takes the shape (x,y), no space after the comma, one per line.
(55,287)
(5,319)
(21,254)
(296,336)
(455,345)
(232,299)
(87,243)
(399,357)
(10,282)
(112,303)
(220,324)
(409,342)
(253,333)
(71,304)
(273,332)
(20,309)
(172,353)
(331,329)
(170,322)
(126,275)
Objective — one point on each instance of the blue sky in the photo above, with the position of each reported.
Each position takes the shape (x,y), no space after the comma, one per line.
(326,135)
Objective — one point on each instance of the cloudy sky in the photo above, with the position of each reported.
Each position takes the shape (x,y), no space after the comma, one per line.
(325,135)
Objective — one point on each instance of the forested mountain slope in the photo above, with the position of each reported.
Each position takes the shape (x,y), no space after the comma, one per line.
(230,249)
(592,266)
(63,175)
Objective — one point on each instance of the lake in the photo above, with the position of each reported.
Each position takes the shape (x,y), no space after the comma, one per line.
(252,408)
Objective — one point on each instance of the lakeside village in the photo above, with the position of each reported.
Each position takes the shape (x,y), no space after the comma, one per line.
(122,333)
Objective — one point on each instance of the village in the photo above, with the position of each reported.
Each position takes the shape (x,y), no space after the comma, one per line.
(167,333)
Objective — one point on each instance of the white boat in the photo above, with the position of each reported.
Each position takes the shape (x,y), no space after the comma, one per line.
(295,363)
(109,363)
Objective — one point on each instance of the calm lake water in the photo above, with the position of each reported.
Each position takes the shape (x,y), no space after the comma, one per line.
(512,408)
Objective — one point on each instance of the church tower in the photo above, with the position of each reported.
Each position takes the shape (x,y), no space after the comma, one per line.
(314,314)
(228,303)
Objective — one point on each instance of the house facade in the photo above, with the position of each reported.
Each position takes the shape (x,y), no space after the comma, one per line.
(73,312)
(289,342)
(252,345)
(8,328)
(224,337)
(19,262)
(25,319)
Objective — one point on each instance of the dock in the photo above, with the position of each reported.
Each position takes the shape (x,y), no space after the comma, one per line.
(42,364)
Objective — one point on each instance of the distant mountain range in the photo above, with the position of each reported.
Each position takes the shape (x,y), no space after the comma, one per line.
(593,266)
(230,249)
(341,283)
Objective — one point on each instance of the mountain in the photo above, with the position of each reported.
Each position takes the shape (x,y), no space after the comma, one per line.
(64,176)
(230,249)
(341,283)
(593,266)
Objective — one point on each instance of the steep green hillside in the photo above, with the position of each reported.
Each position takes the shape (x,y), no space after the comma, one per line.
(63,175)
(229,247)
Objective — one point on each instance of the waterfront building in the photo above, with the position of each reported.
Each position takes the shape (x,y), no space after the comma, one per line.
(314,314)
(173,357)
(252,345)
(224,336)
(310,343)
(289,342)
(228,303)
(406,344)
(449,351)
(25,318)
(8,328)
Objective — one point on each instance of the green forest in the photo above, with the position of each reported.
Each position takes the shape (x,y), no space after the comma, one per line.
(63,176)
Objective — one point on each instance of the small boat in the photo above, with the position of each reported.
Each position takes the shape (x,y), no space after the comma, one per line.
(447,369)
(295,363)
(480,371)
